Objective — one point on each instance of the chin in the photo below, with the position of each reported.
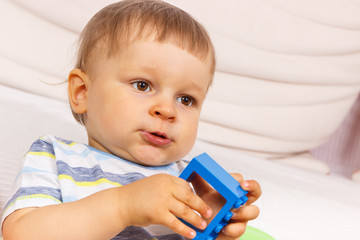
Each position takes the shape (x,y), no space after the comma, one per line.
(148,159)
(153,156)
(154,160)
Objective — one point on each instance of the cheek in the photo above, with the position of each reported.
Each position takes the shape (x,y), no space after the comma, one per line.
(193,129)
(101,110)
(189,131)
(120,113)
(188,140)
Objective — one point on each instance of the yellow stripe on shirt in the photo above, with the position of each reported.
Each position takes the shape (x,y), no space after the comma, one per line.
(33,196)
(89,184)
(45,154)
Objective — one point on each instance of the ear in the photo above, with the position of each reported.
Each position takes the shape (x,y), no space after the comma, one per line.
(78,83)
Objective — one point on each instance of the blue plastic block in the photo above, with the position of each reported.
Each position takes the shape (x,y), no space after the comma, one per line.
(222,182)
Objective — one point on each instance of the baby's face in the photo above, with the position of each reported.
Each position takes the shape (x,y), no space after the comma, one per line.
(144,104)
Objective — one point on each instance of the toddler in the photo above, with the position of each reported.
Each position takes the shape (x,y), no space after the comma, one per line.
(141,77)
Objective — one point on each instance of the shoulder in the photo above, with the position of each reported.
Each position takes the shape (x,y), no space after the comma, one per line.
(51,147)
(49,143)
(42,147)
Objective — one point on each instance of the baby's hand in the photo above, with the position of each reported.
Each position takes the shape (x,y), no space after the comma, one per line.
(245,213)
(242,215)
(162,199)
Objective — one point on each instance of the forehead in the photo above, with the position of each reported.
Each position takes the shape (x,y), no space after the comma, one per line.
(166,59)
(122,44)
(152,60)
(151,52)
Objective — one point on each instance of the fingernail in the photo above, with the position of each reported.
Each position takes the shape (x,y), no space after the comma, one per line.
(208,213)
(245,184)
(192,234)
(203,225)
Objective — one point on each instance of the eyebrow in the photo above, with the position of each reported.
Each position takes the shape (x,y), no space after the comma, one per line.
(197,86)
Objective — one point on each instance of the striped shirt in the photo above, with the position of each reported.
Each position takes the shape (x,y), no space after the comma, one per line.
(57,171)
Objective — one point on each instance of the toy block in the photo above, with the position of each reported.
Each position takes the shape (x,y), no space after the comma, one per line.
(224,184)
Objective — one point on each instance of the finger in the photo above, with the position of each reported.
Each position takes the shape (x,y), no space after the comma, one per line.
(188,215)
(193,201)
(179,227)
(181,182)
(238,177)
(233,230)
(253,188)
(246,213)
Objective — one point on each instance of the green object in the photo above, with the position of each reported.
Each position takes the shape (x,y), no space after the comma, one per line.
(253,233)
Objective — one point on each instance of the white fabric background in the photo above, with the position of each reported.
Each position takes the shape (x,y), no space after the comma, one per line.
(288,73)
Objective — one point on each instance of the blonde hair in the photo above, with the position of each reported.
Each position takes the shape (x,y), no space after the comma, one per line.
(123,22)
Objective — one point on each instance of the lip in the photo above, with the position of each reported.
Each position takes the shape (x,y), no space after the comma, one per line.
(156,138)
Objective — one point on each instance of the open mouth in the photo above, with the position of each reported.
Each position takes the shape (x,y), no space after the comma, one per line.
(156,138)
(159,135)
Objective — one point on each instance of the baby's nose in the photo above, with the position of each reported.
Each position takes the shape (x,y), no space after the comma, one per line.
(164,110)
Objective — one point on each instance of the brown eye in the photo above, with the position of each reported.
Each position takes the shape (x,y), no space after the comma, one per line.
(141,86)
(186,100)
